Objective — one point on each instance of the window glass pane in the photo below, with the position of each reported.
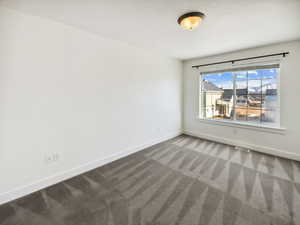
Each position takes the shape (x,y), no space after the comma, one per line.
(254,114)
(270,116)
(254,87)
(241,107)
(269,87)
(254,75)
(270,108)
(241,82)
(216,96)
(269,73)
(241,96)
(248,113)
(270,113)
(245,96)
(241,113)
(254,101)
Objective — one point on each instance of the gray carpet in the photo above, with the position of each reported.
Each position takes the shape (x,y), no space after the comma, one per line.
(184,181)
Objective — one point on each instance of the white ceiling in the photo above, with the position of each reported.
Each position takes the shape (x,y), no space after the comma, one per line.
(229,25)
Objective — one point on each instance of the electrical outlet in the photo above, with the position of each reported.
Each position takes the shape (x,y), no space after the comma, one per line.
(52,158)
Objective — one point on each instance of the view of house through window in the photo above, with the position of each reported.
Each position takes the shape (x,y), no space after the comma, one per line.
(247,95)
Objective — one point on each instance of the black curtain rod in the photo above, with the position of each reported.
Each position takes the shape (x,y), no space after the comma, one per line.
(242,59)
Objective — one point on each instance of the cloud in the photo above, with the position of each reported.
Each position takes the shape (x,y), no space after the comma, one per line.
(224,84)
(253,72)
(240,76)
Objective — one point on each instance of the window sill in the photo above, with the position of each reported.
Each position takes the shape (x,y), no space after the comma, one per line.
(262,128)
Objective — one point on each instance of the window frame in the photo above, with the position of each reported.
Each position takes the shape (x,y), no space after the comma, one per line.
(277,128)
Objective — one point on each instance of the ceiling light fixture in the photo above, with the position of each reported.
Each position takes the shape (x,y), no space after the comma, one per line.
(191,20)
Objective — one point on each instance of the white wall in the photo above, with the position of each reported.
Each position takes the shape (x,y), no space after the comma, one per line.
(89,99)
(286,144)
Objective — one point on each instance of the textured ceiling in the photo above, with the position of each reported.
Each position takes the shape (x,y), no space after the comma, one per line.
(230,24)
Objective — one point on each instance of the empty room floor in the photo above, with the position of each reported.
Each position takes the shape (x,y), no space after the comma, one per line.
(183,181)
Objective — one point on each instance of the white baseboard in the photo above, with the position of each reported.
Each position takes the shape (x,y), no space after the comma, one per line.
(59,177)
(258,148)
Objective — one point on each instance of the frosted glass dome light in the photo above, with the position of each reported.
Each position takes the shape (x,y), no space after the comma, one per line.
(190,21)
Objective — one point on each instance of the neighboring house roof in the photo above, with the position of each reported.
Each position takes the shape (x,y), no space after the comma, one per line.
(228,93)
(208,86)
(271,92)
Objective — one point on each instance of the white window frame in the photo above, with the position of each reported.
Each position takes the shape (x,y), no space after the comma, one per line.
(241,124)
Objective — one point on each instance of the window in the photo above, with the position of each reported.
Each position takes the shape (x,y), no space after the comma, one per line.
(244,95)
